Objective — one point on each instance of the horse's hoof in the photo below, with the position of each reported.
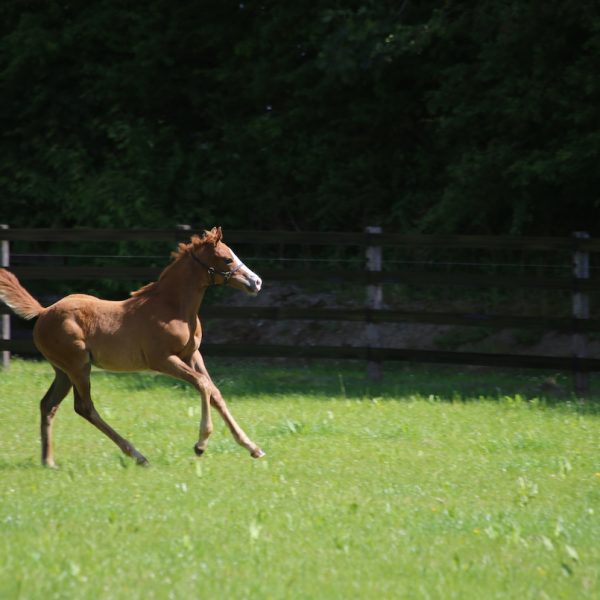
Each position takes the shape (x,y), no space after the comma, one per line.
(198,451)
(258,453)
(140,459)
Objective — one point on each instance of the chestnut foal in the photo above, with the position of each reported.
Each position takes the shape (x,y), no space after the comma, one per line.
(156,328)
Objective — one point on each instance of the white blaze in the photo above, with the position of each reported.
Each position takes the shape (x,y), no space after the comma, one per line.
(250,275)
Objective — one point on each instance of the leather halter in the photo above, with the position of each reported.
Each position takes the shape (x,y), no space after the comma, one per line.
(226,275)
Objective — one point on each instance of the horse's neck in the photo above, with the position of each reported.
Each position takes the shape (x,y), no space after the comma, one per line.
(182,288)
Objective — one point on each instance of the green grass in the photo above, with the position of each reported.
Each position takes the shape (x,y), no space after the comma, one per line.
(440,483)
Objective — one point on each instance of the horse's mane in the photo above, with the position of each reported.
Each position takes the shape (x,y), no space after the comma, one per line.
(208,237)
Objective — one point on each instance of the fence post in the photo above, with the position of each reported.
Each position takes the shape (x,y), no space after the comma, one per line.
(581,310)
(5,319)
(374,302)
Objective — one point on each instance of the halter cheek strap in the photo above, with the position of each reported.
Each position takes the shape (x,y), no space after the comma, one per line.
(226,275)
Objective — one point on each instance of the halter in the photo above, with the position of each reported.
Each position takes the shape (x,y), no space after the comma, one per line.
(226,275)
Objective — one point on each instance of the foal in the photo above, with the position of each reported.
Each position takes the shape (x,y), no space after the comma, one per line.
(156,328)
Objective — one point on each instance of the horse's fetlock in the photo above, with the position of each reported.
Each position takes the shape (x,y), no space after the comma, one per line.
(199,450)
(83,410)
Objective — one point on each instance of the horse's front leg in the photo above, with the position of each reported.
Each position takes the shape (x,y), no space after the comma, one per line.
(174,366)
(216,399)
(206,426)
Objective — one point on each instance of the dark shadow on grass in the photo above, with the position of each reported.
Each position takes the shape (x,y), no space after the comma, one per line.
(135,382)
(347,379)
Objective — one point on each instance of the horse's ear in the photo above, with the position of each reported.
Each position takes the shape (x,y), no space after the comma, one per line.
(218,233)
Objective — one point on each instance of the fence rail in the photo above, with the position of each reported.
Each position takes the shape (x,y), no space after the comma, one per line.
(281,313)
(407,277)
(574,246)
(310,238)
(561,363)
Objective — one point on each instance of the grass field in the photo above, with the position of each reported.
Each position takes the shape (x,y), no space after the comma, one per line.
(440,483)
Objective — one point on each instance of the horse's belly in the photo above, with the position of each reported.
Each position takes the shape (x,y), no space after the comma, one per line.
(120,366)
(117,359)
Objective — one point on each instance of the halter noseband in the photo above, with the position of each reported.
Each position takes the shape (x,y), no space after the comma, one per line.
(226,275)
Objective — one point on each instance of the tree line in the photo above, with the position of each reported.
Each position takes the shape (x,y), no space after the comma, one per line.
(447,116)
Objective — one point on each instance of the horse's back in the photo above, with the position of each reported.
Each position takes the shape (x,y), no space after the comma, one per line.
(83,311)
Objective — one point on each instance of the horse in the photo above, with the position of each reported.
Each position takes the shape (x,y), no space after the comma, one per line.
(157,328)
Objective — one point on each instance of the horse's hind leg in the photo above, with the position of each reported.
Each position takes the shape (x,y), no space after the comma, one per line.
(85,408)
(48,406)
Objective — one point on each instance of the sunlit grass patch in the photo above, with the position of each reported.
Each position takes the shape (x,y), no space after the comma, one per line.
(404,490)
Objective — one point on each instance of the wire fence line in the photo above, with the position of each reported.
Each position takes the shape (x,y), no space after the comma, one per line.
(350,261)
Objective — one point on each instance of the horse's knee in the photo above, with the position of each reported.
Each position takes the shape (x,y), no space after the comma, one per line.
(54,396)
(47,412)
(45,404)
(84,409)
(216,399)
(203,384)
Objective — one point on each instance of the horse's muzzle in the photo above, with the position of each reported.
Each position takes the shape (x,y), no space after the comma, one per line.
(253,285)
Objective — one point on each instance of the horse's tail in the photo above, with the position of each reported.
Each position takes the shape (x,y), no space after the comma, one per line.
(13,294)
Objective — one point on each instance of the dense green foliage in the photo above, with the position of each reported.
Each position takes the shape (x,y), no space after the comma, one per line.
(424,116)
(396,494)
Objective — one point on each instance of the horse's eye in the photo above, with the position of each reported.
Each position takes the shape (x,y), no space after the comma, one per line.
(228,261)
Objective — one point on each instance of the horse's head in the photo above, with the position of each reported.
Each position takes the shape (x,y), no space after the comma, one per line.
(221,263)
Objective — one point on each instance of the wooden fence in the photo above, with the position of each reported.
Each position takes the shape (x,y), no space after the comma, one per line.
(578,283)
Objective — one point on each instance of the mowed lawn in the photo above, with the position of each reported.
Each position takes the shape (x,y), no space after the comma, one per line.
(440,483)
